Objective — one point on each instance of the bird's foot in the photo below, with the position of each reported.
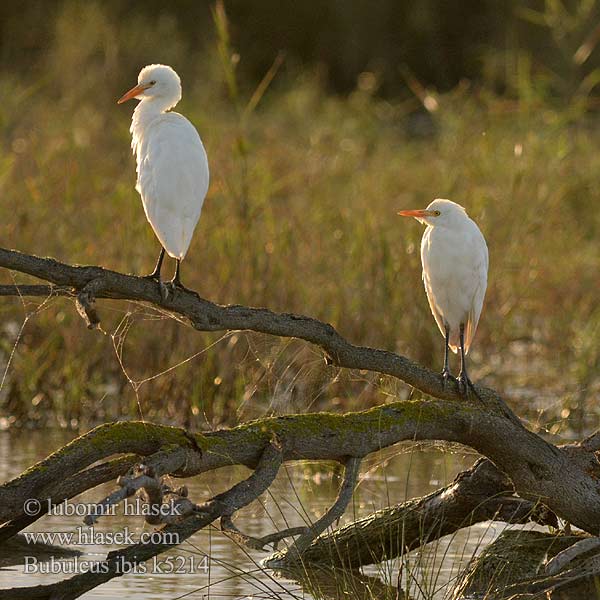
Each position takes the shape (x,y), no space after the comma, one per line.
(175,285)
(162,286)
(171,287)
(154,276)
(446,376)
(464,384)
(164,290)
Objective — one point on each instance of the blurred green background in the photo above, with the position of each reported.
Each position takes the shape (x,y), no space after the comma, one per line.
(321,120)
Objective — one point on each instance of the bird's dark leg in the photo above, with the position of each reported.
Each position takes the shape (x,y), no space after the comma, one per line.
(156,273)
(446,370)
(176,281)
(464,383)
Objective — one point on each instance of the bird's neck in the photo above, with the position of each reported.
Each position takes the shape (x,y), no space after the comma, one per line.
(145,112)
(148,109)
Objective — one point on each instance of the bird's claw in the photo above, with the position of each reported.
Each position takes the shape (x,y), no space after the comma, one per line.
(175,285)
(446,376)
(164,290)
(162,286)
(465,384)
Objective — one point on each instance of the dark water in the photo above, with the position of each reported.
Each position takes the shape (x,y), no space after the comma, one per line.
(210,565)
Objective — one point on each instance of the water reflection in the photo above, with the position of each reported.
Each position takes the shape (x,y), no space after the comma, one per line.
(336,584)
(212,563)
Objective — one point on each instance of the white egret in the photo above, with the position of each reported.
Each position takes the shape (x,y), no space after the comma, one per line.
(454,256)
(172,168)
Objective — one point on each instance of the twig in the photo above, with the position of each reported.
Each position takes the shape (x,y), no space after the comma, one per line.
(145,476)
(336,510)
(228,527)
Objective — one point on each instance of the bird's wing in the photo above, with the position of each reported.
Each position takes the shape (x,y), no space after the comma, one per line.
(173,180)
(480,271)
(433,304)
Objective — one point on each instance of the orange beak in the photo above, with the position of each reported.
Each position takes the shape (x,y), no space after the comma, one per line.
(132,93)
(417,214)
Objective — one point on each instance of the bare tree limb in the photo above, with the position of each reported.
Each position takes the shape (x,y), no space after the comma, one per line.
(67,488)
(207,316)
(35,290)
(479,494)
(227,503)
(337,509)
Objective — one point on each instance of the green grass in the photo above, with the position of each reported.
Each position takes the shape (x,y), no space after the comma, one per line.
(300,217)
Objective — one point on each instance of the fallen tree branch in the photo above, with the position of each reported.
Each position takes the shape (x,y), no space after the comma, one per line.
(565,479)
(119,562)
(511,568)
(325,436)
(67,488)
(559,562)
(479,494)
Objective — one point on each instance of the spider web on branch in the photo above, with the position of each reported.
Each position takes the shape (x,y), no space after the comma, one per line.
(28,315)
(119,336)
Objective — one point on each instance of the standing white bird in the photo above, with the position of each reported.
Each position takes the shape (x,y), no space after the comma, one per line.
(172,168)
(454,256)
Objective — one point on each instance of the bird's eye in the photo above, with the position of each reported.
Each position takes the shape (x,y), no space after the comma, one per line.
(153,83)
(437,213)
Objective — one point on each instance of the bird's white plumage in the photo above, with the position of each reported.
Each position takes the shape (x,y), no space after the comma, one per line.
(172,167)
(454,256)
(172,180)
